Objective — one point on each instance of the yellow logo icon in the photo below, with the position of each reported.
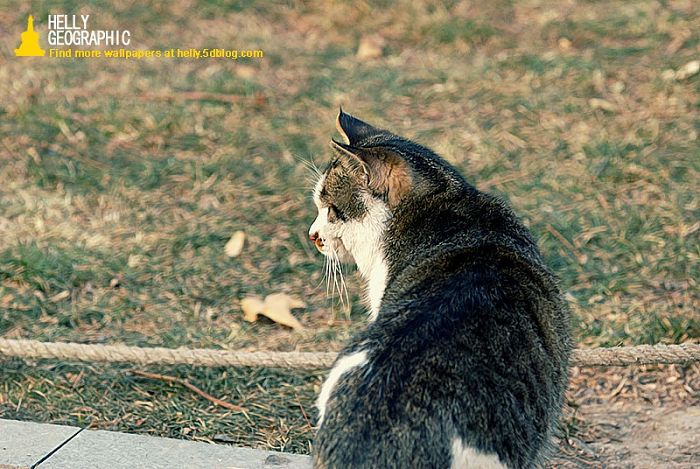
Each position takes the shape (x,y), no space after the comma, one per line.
(30,42)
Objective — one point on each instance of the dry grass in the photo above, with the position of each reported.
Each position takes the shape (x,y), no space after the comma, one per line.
(115,204)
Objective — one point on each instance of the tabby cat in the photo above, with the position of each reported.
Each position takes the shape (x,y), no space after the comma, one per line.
(465,358)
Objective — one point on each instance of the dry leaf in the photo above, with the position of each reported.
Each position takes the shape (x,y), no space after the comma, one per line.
(371,47)
(688,70)
(564,44)
(277,307)
(60,296)
(597,103)
(252,306)
(245,71)
(617,87)
(668,75)
(234,246)
(135,260)
(278,298)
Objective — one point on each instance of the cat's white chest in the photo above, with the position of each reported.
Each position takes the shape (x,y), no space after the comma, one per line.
(365,239)
(376,284)
(344,365)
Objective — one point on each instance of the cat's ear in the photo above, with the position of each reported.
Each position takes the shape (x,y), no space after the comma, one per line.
(379,169)
(353,129)
(353,159)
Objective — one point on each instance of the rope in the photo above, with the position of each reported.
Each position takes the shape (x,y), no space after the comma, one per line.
(163,356)
(618,356)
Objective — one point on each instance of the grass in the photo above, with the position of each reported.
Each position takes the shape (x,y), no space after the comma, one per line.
(112,398)
(115,204)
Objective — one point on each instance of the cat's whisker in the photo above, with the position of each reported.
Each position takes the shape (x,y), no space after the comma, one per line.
(315,168)
(323,279)
(339,278)
(313,174)
(343,289)
(310,165)
(326,276)
(338,281)
(336,285)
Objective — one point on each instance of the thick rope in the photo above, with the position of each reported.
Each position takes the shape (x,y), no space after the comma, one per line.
(618,356)
(163,356)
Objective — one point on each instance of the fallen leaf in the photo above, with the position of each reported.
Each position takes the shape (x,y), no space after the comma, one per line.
(135,260)
(277,307)
(245,71)
(277,298)
(371,47)
(688,70)
(597,103)
(668,75)
(60,296)
(564,43)
(234,246)
(617,87)
(252,306)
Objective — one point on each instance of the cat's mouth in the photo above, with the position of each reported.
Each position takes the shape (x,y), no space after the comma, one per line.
(318,242)
(333,247)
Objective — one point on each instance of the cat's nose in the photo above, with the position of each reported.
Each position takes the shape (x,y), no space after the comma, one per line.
(316,239)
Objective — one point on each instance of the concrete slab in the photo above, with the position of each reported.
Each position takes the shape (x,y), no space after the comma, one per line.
(24,443)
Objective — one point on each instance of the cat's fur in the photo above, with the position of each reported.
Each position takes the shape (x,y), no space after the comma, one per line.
(465,361)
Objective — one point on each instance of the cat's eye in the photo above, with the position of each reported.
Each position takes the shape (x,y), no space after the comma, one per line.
(333,213)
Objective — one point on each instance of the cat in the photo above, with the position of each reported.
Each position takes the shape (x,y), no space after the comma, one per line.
(464,361)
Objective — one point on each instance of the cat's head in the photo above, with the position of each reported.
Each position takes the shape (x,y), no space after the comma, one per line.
(373,172)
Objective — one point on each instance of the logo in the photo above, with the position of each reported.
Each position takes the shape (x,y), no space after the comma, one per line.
(71,36)
(30,42)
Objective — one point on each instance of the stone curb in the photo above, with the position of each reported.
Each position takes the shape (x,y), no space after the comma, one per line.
(22,444)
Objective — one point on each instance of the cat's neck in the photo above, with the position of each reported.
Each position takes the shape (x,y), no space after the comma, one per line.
(376,276)
(364,240)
